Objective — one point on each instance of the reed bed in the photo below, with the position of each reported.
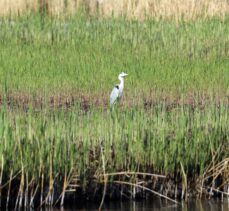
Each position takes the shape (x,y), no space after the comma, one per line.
(133,9)
(49,153)
(169,136)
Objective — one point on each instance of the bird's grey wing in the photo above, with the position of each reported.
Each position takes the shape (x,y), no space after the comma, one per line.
(114,95)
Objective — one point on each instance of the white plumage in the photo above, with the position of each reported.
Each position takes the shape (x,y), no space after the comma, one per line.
(117,91)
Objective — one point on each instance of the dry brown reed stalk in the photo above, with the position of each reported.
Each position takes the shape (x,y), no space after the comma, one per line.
(33,194)
(134,185)
(139,9)
(219,169)
(27,186)
(49,199)
(144,188)
(209,172)
(65,185)
(18,203)
(9,188)
(105,177)
(128,174)
(184,184)
(69,185)
(10,180)
(42,187)
(135,173)
(217,190)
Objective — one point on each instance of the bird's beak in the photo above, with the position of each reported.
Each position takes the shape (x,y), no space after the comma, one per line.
(125,74)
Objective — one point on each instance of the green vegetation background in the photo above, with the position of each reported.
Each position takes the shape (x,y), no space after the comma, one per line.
(84,55)
(41,56)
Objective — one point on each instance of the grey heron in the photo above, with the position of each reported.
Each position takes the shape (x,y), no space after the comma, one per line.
(117,91)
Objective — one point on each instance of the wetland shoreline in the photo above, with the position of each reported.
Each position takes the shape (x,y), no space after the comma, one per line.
(174,152)
(58,140)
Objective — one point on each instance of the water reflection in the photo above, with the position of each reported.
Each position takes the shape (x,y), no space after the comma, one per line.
(152,204)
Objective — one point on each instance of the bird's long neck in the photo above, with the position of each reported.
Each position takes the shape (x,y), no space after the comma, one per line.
(121,85)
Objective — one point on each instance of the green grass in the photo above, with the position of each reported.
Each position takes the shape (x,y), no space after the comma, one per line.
(85,55)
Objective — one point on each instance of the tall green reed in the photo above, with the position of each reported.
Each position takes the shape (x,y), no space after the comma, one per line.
(153,140)
(84,55)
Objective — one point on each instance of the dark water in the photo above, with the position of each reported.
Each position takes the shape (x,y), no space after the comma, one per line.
(155,204)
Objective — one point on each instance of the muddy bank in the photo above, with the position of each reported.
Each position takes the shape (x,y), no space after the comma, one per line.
(85,102)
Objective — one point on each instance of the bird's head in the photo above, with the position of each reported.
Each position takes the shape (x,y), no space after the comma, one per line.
(122,74)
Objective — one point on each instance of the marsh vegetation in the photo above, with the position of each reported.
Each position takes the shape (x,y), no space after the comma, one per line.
(169,134)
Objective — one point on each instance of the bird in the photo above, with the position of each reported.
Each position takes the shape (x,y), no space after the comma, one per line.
(117,91)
